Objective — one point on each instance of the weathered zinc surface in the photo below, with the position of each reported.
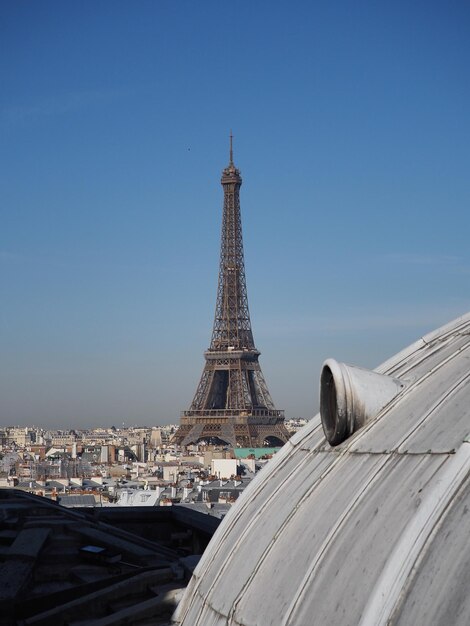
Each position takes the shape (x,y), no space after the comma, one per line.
(373,531)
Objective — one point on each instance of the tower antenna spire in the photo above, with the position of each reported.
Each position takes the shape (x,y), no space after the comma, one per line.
(231,148)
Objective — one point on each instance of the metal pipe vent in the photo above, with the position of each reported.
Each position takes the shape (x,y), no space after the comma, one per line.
(350,396)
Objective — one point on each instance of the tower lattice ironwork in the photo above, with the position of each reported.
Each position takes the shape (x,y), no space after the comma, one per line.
(232,403)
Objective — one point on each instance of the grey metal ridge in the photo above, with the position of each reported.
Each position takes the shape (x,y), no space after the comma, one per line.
(392,582)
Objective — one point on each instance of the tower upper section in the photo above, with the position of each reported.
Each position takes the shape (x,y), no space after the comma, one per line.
(232,326)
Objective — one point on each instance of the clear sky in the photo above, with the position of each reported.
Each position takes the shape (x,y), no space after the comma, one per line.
(352,132)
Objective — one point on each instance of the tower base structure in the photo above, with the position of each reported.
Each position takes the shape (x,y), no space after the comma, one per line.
(265,427)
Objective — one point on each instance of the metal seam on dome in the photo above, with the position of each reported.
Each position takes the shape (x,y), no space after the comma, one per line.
(447,331)
(303,587)
(386,595)
(283,458)
(406,391)
(248,528)
(283,525)
(428,350)
(441,400)
(341,521)
(436,350)
(278,467)
(237,513)
(307,493)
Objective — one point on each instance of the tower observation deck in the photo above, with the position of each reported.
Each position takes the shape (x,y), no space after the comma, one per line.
(232,403)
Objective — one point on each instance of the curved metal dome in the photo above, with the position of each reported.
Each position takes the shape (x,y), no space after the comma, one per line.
(372,531)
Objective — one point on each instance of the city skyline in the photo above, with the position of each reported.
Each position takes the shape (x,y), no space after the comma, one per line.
(352,135)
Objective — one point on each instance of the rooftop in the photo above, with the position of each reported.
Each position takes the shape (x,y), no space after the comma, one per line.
(59,565)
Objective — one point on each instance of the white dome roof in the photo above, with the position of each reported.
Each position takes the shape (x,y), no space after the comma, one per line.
(373,531)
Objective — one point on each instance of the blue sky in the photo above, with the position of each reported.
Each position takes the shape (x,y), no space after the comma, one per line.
(352,132)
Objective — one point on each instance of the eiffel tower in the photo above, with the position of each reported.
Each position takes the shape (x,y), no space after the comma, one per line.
(232,404)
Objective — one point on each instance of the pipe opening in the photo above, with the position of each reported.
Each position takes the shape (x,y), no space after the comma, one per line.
(333,418)
(351,396)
